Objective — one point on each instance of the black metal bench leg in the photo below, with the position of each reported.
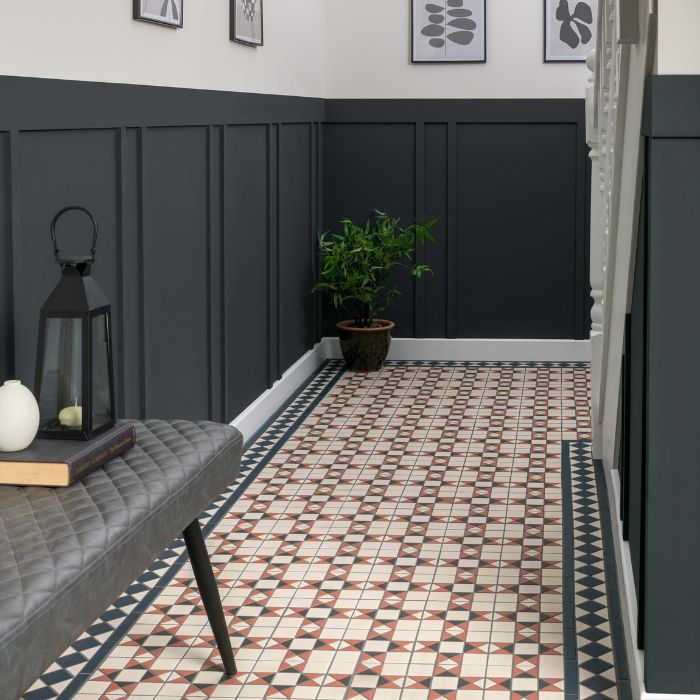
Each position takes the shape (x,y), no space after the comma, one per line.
(199,557)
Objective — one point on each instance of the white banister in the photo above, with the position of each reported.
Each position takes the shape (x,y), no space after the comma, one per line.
(596,244)
(614,100)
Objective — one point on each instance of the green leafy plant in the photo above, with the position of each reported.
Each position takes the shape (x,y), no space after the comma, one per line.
(356,264)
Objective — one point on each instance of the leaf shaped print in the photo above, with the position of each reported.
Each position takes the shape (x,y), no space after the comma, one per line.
(463,23)
(568,35)
(585,32)
(583,12)
(433,30)
(562,13)
(462,38)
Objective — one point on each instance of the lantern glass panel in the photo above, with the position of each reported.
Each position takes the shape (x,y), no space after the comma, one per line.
(101,385)
(62,375)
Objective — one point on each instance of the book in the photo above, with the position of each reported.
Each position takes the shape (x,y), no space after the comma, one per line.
(63,462)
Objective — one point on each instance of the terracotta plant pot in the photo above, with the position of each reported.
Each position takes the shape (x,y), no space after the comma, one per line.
(365,349)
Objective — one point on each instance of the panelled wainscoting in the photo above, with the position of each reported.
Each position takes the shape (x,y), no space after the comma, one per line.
(507,182)
(209,204)
(659,476)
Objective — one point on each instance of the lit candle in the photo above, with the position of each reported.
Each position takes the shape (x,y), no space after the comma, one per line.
(71,416)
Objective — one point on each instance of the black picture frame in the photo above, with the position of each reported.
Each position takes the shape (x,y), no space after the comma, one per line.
(412,30)
(138,15)
(232,22)
(594,29)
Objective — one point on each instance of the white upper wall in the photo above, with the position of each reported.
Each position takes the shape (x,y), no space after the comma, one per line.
(368,55)
(99,41)
(318,48)
(678,45)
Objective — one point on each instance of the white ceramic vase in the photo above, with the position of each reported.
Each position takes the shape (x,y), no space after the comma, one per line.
(19,416)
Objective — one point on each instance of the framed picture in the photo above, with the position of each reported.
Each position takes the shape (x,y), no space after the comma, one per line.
(167,12)
(448,31)
(569,29)
(247,22)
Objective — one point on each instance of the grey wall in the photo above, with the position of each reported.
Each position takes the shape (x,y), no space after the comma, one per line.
(506,180)
(207,203)
(659,462)
(670,561)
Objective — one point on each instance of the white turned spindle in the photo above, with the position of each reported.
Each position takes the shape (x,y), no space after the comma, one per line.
(596,243)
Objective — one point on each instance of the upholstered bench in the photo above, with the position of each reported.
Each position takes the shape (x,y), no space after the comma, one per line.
(67,554)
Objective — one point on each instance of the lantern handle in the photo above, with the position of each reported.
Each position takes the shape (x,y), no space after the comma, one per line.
(56,251)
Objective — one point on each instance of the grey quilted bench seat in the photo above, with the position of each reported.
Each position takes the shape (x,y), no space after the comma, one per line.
(67,554)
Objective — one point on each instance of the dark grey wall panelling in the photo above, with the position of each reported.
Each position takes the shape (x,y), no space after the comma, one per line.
(54,169)
(633,425)
(246,211)
(516,219)
(296,222)
(435,292)
(365,167)
(175,271)
(35,103)
(128,330)
(6,295)
(506,180)
(209,204)
(196,193)
(671,564)
(635,478)
(673,466)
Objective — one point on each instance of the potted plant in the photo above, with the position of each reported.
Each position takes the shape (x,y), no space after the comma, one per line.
(355,269)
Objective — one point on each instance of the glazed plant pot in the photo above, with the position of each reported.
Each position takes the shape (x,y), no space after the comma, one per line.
(365,349)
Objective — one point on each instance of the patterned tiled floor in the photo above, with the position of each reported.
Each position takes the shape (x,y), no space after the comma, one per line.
(428,531)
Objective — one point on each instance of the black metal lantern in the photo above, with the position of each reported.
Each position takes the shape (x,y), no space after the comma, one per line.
(74,374)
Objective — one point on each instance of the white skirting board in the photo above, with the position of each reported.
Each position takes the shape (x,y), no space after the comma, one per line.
(628,601)
(255,416)
(476,349)
(625,583)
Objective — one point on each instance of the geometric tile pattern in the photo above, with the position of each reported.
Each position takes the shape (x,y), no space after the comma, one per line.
(595,652)
(427,531)
(63,678)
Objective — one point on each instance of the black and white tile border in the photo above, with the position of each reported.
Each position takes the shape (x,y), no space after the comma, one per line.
(593,632)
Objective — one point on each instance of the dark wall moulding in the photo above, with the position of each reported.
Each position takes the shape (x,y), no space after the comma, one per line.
(37,103)
(672,106)
(669,562)
(507,181)
(209,203)
(496,111)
